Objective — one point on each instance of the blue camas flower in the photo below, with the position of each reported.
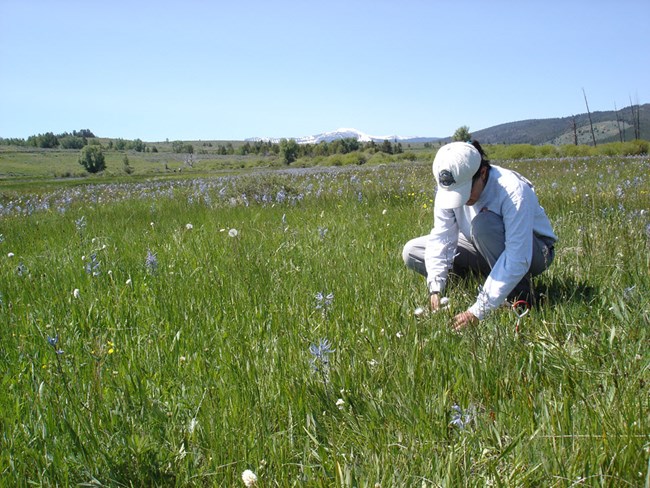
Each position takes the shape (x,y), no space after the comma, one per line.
(323,302)
(320,356)
(54,341)
(151,262)
(459,418)
(92,267)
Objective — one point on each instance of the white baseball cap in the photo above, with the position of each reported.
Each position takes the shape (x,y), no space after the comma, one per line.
(453,168)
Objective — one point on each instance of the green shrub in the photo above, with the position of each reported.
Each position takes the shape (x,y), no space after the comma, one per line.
(335,160)
(92,158)
(571,150)
(355,157)
(72,142)
(635,147)
(126,165)
(547,151)
(610,149)
(379,158)
(519,151)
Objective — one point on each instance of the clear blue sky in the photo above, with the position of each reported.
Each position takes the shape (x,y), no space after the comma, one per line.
(235,69)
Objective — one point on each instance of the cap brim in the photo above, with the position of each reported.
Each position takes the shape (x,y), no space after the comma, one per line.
(455,198)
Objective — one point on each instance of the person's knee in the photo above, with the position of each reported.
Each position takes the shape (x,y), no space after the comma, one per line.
(407,253)
(413,253)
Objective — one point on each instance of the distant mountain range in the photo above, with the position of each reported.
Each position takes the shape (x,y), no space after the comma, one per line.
(609,126)
(345,134)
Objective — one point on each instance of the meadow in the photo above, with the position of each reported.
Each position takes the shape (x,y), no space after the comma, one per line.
(178,332)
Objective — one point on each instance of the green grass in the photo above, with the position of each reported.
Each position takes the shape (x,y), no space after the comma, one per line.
(192,372)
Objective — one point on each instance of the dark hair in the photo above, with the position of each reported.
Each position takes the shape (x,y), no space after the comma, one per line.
(485,162)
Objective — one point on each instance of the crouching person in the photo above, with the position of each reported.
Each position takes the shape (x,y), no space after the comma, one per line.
(487,220)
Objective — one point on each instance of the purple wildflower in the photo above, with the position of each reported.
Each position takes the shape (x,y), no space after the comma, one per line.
(151,262)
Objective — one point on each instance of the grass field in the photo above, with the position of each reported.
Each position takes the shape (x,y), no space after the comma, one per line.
(177,332)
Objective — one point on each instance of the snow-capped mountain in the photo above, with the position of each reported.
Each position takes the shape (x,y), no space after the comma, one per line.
(344,134)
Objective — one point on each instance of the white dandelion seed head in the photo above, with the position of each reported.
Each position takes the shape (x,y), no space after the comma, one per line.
(249,478)
(340,403)
(10,255)
(76,293)
(419,312)
(189,226)
(233,232)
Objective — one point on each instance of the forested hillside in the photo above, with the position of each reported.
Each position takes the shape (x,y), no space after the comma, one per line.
(625,124)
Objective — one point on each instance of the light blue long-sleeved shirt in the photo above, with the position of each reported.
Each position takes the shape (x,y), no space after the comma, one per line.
(511,196)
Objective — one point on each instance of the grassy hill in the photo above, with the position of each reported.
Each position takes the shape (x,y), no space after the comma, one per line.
(558,131)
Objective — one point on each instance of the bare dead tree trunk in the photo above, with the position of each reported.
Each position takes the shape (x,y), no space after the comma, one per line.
(575,131)
(618,123)
(635,120)
(593,136)
(633,116)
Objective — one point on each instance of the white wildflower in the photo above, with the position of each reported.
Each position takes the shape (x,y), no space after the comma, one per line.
(399,335)
(340,403)
(75,293)
(189,226)
(10,255)
(233,232)
(128,282)
(419,312)
(249,478)
(385,211)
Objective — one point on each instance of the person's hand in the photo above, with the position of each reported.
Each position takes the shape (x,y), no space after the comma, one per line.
(464,319)
(435,302)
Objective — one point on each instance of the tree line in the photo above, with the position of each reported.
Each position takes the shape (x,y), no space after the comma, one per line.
(77,139)
(289,150)
(49,140)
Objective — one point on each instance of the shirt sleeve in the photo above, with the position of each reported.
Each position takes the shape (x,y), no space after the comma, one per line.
(518,211)
(441,249)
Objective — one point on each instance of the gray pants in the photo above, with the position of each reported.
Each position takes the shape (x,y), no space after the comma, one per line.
(480,255)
